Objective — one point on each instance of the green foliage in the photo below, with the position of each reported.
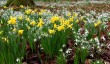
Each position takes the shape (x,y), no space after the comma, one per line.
(53,43)
(61,59)
(80,55)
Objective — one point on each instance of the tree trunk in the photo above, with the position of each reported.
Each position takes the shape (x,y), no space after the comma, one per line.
(20,2)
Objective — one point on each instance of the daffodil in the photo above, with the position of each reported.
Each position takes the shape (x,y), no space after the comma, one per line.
(21,6)
(12,20)
(70,26)
(5,7)
(67,22)
(77,21)
(28,11)
(28,19)
(51,31)
(33,12)
(75,14)
(60,28)
(40,23)
(68,14)
(55,26)
(97,23)
(71,19)
(33,23)
(28,27)
(5,39)
(54,18)
(42,11)
(20,32)
(62,20)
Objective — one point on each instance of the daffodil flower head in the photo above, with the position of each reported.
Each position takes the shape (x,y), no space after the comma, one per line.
(75,14)
(28,11)
(5,7)
(12,20)
(20,32)
(54,18)
(51,31)
(28,27)
(21,6)
(97,23)
(40,23)
(60,28)
(33,23)
(28,19)
(70,26)
(55,26)
(5,39)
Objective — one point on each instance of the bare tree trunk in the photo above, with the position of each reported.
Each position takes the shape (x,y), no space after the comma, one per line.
(20,2)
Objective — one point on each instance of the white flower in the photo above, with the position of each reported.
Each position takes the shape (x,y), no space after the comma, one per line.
(83,47)
(60,50)
(18,60)
(68,50)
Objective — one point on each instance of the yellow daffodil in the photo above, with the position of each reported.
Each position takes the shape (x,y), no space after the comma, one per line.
(54,18)
(75,14)
(33,12)
(97,23)
(33,23)
(20,32)
(81,18)
(28,11)
(51,31)
(28,27)
(55,26)
(70,26)
(5,39)
(5,7)
(59,28)
(12,20)
(40,23)
(71,19)
(21,6)
(68,14)
(77,21)
(62,20)
(67,22)
(28,19)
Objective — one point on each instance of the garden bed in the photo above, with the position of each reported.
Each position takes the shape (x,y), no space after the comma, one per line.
(55,35)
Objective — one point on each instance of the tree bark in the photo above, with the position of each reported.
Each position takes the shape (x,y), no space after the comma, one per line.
(20,2)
